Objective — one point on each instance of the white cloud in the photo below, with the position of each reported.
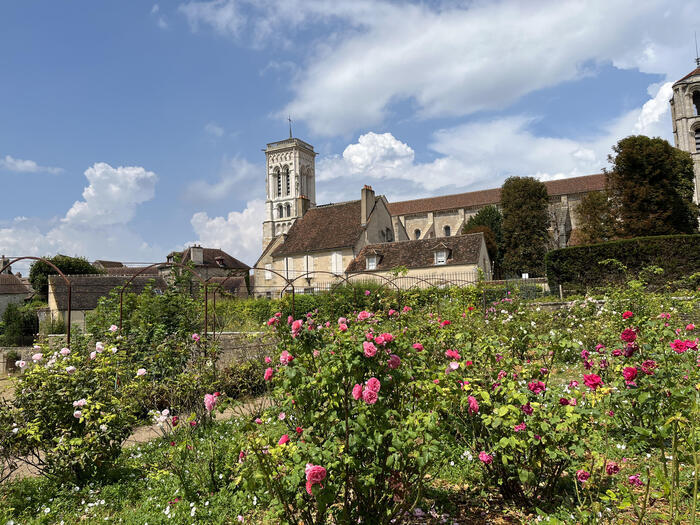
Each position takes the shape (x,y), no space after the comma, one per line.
(239,233)
(214,129)
(95,227)
(246,178)
(112,195)
(223,16)
(25,166)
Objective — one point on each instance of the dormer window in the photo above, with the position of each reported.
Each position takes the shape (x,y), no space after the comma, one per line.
(416,234)
(372,262)
(441,257)
(219,261)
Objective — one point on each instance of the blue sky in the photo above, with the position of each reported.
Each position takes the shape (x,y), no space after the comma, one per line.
(129,129)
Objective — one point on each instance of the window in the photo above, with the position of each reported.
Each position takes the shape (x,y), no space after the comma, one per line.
(389,235)
(337,263)
(280,212)
(372,262)
(285,171)
(447,231)
(289,210)
(278,179)
(416,234)
(289,263)
(268,273)
(441,257)
(697,140)
(696,102)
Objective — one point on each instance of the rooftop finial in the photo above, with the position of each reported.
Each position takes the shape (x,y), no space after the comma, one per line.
(289,118)
(697,55)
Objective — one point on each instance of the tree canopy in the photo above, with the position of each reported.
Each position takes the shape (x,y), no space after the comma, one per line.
(525,202)
(650,186)
(490,218)
(594,218)
(40,271)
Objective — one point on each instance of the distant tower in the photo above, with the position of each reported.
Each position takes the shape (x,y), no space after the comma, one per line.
(290,183)
(685,112)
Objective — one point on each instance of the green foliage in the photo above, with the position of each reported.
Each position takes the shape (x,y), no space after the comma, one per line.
(19,325)
(594,218)
(40,271)
(489,217)
(651,188)
(576,268)
(525,222)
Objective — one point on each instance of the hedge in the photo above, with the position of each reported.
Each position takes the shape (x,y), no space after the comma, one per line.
(578,267)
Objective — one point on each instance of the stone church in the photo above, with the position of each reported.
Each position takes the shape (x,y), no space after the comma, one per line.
(300,236)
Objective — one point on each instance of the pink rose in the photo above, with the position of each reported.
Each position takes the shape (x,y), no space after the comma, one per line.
(65,352)
(519,428)
(582,475)
(452,354)
(268,374)
(379,340)
(357,392)
(342,320)
(612,468)
(373,384)
(388,337)
(486,458)
(690,327)
(363,315)
(286,357)
(394,361)
(367,292)
(369,348)
(77,414)
(592,381)
(627,315)
(369,396)
(407,309)
(37,357)
(679,346)
(141,372)
(536,387)
(629,373)
(648,367)
(113,328)
(258,421)
(283,440)
(343,327)
(445,323)
(473,405)
(392,312)
(418,346)
(635,480)
(315,474)
(195,337)
(268,360)
(93,355)
(210,401)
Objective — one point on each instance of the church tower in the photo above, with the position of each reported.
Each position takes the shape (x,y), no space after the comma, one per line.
(290,185)
(685,112)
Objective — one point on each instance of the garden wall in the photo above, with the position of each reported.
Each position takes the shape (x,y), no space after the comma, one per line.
(238,347)
(8,365)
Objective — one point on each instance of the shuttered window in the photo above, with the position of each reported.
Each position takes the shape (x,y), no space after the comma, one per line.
(337,263)
(268,273)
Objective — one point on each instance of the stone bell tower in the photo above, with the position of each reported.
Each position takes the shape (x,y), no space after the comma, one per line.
(685,112)
(290,184)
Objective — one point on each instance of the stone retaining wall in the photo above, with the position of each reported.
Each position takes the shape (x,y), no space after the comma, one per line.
(7,366)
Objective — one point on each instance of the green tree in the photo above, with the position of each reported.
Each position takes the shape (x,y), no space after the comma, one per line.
(594,218)
(524,201)
(650,186)
(489,217)
(40,271)
(19,325)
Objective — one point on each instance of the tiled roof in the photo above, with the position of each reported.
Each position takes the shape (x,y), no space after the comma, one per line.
(107,264)
(464,249)
(131,270)
(324,228)
(694,72)
(212,257)
(571,185)
(11,284)
(86,290)
(231,285)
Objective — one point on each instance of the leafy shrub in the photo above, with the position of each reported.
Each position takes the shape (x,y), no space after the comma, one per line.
(578,267)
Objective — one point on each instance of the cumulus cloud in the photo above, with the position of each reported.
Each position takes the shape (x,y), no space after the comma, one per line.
(239,233)
(481,154)
(96,226)
(225,17)
(25,166)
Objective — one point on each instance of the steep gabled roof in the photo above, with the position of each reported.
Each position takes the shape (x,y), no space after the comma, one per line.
(470,199)
(86,290)
(11,285)
(107,264)
(213,258)
(131,270)
(328,227)
(463,249)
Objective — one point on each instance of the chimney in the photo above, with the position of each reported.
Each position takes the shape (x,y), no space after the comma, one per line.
(303,205)
(366,204)
(3,261)
(197,254)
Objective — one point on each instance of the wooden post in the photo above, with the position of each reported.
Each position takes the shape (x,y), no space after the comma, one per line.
(561,293)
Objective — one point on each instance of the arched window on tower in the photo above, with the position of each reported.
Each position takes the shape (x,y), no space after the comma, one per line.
(697,140)
(696,102)
(416,234)
(279,212)
(447,231)
(287,185)
(289,210)
(278,182)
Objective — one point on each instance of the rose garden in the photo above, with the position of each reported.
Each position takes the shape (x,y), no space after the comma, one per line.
(426,406)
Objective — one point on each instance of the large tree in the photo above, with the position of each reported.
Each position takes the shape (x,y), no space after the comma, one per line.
(525,202)
(650,186)
(40,271)
(595,221)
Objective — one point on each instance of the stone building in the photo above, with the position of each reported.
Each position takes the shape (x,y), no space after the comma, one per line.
(685,113)
(12,291)
(428,261)
(207,262)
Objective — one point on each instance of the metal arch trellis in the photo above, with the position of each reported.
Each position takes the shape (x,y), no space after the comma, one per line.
(67,281)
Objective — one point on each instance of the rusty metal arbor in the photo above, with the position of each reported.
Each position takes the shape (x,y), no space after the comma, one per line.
(63,276)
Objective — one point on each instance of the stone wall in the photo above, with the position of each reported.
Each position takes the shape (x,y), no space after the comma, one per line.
(8,366)
(236,347)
